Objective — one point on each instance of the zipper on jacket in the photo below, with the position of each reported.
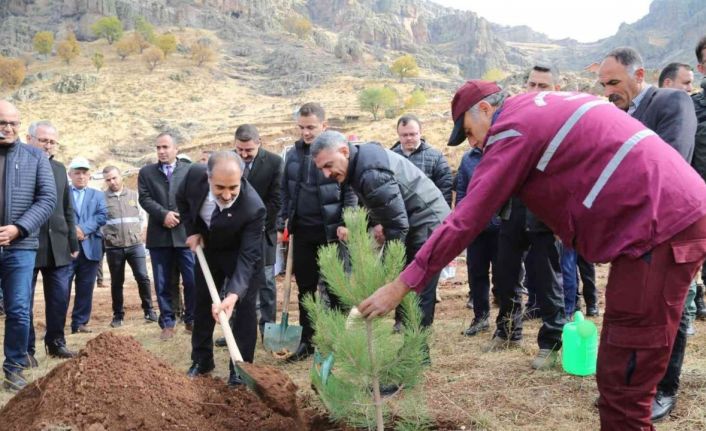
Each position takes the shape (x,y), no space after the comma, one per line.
(17,174)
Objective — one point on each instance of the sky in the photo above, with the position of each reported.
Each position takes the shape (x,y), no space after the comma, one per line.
(559,19)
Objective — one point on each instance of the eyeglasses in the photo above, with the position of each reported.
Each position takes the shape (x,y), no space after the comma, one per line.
(47,141)
(13,124)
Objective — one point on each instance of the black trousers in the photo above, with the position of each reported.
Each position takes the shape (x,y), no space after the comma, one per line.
(482,252)
(135,257)
(307,242)
(670,382)
(243,324)
(587,272)
(544,262)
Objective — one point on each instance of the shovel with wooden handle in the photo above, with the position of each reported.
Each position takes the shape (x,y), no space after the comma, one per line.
(283,339)
(235,355)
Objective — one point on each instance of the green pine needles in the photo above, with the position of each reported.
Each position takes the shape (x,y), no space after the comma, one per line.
(393,361)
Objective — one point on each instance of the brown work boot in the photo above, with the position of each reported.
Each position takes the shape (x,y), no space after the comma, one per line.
(167,334)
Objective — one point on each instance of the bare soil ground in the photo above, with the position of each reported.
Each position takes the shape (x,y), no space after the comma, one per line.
(465,389)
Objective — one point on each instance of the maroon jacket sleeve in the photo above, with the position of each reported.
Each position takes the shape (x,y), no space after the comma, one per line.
(508,160)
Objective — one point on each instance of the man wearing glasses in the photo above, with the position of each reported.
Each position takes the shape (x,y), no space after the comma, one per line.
(58,246)
(26,202)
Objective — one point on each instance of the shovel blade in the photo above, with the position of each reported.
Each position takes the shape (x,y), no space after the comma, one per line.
(281,338)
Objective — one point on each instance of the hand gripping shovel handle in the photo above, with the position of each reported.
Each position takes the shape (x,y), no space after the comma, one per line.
(222,318)
(288,275)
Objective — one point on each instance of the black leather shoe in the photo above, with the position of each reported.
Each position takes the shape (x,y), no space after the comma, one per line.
(151,316)
(199,369)
(81,329)
(662,405)
(477,326)
(387,390)
(32,361)
(14,381)
(303,351)
(220,342)
(592,311)
(58,349)
(234,380)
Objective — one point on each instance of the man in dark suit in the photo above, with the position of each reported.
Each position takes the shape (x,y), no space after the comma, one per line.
(166,238)
(58,246)
(669,113)
(90,213)
(263,170)
(224,214)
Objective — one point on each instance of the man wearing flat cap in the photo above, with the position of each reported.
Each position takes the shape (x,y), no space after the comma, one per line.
(608,187)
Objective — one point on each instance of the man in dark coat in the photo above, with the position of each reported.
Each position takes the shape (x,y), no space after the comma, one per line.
(166,238)
(223,213)
(58,246)
(263,171)
(403,203)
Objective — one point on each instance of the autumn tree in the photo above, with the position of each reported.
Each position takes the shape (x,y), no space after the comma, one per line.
(152,57)
(405,67)
(416,99)
(69,49)
(98,60)
(126,47)
(167,42)
(202,53)
(43,42)
(493,74)
(298,25)
(12,72)
(377,99)
(109,28)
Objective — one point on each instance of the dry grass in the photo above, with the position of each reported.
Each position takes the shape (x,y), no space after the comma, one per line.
(464,387)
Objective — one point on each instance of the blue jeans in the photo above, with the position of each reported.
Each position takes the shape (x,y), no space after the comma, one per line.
(16,268)
(55,282)
(84,271)
(162,258)
(570,278)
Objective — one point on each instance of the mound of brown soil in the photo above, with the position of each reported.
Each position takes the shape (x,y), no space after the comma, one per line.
(114,384)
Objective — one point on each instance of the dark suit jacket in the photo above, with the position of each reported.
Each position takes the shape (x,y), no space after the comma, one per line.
(670,114)
(233,242)
(157,197)
(57,237)
(93,215)
(265,177)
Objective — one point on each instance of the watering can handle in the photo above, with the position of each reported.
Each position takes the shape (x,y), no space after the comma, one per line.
(222,318)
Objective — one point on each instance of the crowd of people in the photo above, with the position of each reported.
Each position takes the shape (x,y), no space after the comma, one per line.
(552,181)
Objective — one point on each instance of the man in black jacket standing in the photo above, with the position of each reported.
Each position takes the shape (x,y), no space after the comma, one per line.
(58,246)
(166,238)
(312,205)
(263,171)
(223,213)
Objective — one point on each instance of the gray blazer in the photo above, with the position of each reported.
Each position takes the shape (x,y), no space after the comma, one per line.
(669,113)
(157,197)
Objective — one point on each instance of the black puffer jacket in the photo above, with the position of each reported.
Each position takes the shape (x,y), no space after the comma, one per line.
(329,197)
(396,193)
(699,159)
(433,164)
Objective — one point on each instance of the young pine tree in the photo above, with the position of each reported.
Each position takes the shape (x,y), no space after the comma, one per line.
(367,355)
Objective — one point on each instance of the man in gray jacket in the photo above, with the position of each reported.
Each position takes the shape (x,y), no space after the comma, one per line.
(27,200)
(403,203)
(124,243)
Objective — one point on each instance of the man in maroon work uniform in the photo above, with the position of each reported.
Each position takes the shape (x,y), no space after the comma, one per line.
(608,187)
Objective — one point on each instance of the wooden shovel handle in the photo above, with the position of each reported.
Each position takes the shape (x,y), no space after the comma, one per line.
(222,318)
(288,275)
